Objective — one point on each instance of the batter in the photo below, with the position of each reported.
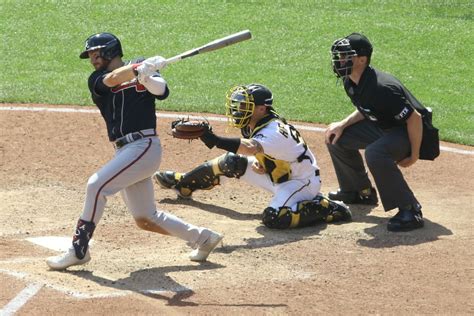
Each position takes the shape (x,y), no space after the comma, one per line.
(125,93)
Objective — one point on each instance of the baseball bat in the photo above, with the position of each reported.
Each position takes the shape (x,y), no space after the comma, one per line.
(211,46)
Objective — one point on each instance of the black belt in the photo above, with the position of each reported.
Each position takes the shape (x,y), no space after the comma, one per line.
(131,137)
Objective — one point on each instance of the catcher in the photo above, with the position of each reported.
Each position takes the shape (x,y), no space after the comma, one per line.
(272,155)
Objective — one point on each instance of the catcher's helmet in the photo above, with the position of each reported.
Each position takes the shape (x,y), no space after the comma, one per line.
(241,102)
(108,43)
(343,49)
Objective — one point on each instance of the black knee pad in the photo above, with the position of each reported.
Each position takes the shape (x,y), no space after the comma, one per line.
(80,241)
(278,219)
(232,165)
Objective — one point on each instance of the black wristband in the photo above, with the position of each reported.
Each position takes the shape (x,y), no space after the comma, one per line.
(228,144)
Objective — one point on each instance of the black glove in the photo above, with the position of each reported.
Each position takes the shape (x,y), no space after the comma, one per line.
(209,138)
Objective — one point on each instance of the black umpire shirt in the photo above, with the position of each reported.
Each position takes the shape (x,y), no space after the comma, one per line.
(382,98)
(126,108)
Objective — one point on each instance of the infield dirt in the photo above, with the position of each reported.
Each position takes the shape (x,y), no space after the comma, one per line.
(358,267)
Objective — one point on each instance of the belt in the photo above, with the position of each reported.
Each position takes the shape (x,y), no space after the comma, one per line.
(131,137)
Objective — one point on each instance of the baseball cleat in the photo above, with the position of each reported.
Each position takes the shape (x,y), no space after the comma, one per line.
(338,211)
(66,260)
(366,197)
(166,179)
(203,251)
(406,219)
(169,180)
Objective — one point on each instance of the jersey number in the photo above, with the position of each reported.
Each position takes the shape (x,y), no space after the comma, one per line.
(293,132)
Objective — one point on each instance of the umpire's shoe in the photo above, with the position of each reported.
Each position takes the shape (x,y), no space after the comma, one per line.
(406,219)
(67,259)
(169,180)
(203,251)
(367,196)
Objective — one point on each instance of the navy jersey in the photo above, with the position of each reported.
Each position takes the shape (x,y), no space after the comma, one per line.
(382,98)
(126,108)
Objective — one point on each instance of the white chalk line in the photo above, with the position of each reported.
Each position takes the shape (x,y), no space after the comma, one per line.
(78,294)
(82,295)
(36,287)
(18,301)
(177,116)
(67,291)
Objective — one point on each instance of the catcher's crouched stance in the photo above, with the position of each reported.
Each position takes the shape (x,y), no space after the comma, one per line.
(271,155)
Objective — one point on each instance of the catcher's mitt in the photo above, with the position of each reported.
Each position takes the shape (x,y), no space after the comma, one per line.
(186,129)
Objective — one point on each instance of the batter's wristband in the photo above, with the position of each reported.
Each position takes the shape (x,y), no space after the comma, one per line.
(228,144)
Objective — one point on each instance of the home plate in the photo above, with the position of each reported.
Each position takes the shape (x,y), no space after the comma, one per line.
(53,242)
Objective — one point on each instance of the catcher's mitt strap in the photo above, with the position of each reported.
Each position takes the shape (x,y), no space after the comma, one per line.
(229,144)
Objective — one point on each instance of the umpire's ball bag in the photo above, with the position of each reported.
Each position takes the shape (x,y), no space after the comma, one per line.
(429,149)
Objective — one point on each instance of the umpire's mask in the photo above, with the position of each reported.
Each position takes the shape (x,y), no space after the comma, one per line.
(345,48)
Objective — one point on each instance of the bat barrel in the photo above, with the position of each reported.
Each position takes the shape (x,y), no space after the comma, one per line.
(214,45)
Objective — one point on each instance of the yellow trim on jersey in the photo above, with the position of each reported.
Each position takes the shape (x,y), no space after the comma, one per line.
(278,170)
(264,122)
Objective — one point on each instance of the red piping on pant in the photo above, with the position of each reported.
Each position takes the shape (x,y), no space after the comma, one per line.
(126,167)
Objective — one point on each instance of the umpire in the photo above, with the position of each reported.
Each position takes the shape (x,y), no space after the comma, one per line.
(387,123)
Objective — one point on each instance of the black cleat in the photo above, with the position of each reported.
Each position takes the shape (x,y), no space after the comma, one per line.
(166,179)
(338,212)
(170,180)
(366,196)
(406,219)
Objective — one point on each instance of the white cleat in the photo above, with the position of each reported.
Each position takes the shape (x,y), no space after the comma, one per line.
(202,252)
(67,259)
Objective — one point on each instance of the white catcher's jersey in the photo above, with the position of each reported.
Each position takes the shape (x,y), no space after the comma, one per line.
(286,155)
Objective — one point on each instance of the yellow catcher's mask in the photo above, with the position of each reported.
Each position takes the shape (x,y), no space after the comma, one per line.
(241,102)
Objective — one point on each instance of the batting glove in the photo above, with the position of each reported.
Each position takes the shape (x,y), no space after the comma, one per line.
(157,62)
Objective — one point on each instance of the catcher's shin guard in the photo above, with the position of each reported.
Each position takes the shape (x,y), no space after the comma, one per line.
(202,177)
(279,219)
(80,241)
(308,213)
(206,176)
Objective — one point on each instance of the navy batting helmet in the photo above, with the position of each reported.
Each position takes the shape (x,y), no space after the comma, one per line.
(108,44)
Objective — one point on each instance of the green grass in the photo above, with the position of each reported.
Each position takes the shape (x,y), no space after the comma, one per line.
(428,45)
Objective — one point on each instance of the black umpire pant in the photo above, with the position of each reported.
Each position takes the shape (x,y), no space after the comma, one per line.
(383,148)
